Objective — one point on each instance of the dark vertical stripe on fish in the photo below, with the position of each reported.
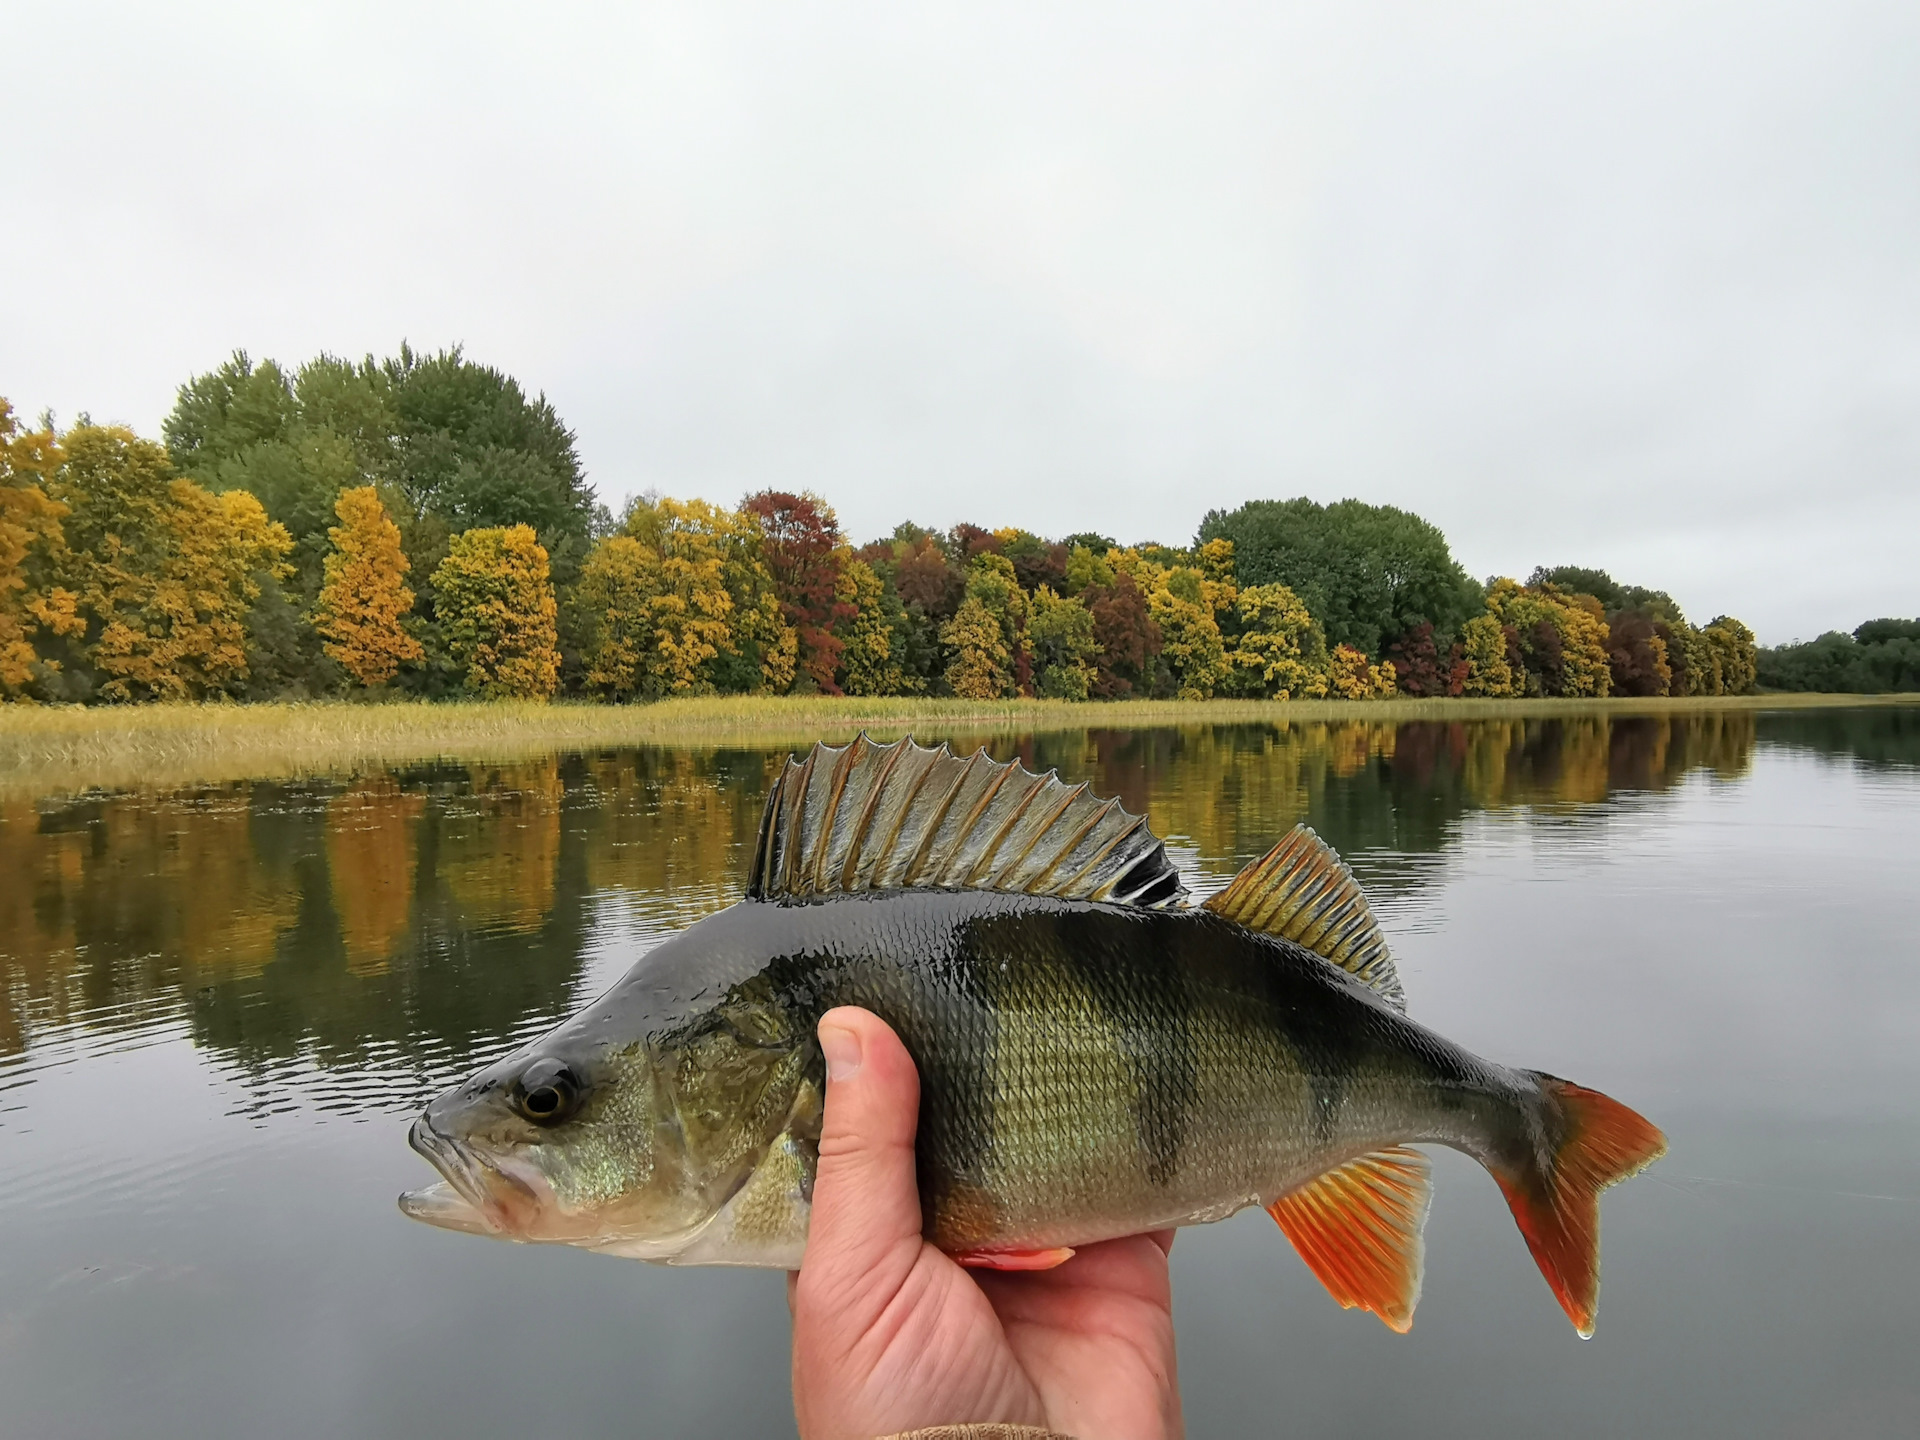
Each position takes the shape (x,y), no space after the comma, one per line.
(1150,1020)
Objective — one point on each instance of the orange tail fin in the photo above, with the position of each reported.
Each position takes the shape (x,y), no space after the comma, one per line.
(1601,1142)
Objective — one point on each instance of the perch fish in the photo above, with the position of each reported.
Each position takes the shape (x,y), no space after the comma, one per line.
(1097,1058)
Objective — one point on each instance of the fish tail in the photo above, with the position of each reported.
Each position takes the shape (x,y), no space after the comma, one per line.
(1589,1143)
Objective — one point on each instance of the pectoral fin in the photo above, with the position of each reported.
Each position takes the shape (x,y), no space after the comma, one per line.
(1014,1259)
(1358,1229)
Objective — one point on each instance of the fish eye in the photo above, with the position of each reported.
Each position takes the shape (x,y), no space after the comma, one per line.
(547,1092)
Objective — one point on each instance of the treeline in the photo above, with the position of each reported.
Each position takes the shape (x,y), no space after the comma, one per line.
(421,526)
(1879,657)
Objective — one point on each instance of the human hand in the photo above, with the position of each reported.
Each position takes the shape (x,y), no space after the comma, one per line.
(889,1334)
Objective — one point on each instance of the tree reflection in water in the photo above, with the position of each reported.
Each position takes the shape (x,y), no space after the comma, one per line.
(397,925)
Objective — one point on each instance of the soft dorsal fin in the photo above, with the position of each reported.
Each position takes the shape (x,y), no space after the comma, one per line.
(1303,892)
(1358,1228)
(900,816)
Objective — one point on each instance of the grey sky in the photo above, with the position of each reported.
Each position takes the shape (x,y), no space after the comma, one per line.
(1626,284)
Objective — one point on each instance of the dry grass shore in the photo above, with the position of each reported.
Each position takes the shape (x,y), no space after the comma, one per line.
(49,750)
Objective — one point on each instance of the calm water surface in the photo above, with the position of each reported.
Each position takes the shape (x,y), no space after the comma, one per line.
(219,1008)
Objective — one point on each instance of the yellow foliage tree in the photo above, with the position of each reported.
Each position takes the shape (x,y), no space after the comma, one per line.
(656,617)
(980,669)
(365,600)
(1483,645)
(1191,644)
(165,573)
(1735,658)
(30,543)
(723,600)
(1085,568)
(1216,572)
(1281,652)
(1562,638)
(1348,676)
(496,607)
(867,660)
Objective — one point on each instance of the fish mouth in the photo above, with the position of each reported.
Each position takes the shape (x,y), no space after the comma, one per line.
(478,1197)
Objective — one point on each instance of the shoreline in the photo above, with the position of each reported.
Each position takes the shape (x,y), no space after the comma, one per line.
(53,750)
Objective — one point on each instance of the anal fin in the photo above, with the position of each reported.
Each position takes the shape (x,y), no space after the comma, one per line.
(1358,1228)
(1014,1259)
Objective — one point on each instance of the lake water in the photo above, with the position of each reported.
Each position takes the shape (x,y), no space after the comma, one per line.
(220,1007)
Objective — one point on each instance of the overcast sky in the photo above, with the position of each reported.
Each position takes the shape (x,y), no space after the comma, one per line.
(1622,284)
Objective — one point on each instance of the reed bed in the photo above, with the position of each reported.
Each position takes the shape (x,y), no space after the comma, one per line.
(60,749)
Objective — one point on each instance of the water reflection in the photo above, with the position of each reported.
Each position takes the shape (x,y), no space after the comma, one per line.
(430,912)
(434,910)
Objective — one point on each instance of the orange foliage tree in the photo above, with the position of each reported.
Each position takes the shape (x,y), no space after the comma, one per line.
(30,540)
(364,600)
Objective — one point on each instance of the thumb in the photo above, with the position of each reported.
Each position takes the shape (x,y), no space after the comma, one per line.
(864,1234)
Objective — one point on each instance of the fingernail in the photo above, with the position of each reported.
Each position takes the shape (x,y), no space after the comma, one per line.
(841,1046)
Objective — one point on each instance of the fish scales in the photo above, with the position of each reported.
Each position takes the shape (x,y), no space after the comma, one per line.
(1096,1058)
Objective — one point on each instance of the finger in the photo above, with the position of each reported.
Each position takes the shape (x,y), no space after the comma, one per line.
(866,1198)
(1164,1239)
(793,1284)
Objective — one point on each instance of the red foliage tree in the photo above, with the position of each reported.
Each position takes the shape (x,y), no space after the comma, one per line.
(1630,655)
(968,541)
(801,545)
(927,579)
(1037,565)
(1127,636)
(1417,661)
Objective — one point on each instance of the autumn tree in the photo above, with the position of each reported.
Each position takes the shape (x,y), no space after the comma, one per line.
(1281,652)
(1191,646)
(655,620)
(364,599)
(223,552)
(1419,667)
(1035,561)
(496,607)
(981,668)
(1734,654)
(1581,580)
(991,581)
(916,570)
(758,650)
(869,665)
(1563,639)
(31,541)
(165,574)
(1086,569)
(115,489)
(1060,635)
(802,548)
(1351,676)
(1637,655)
(1484,644)
(1128,638)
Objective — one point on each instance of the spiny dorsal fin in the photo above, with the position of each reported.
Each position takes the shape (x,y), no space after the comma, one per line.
(900,816)
(1303,892)
(1358,1228)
